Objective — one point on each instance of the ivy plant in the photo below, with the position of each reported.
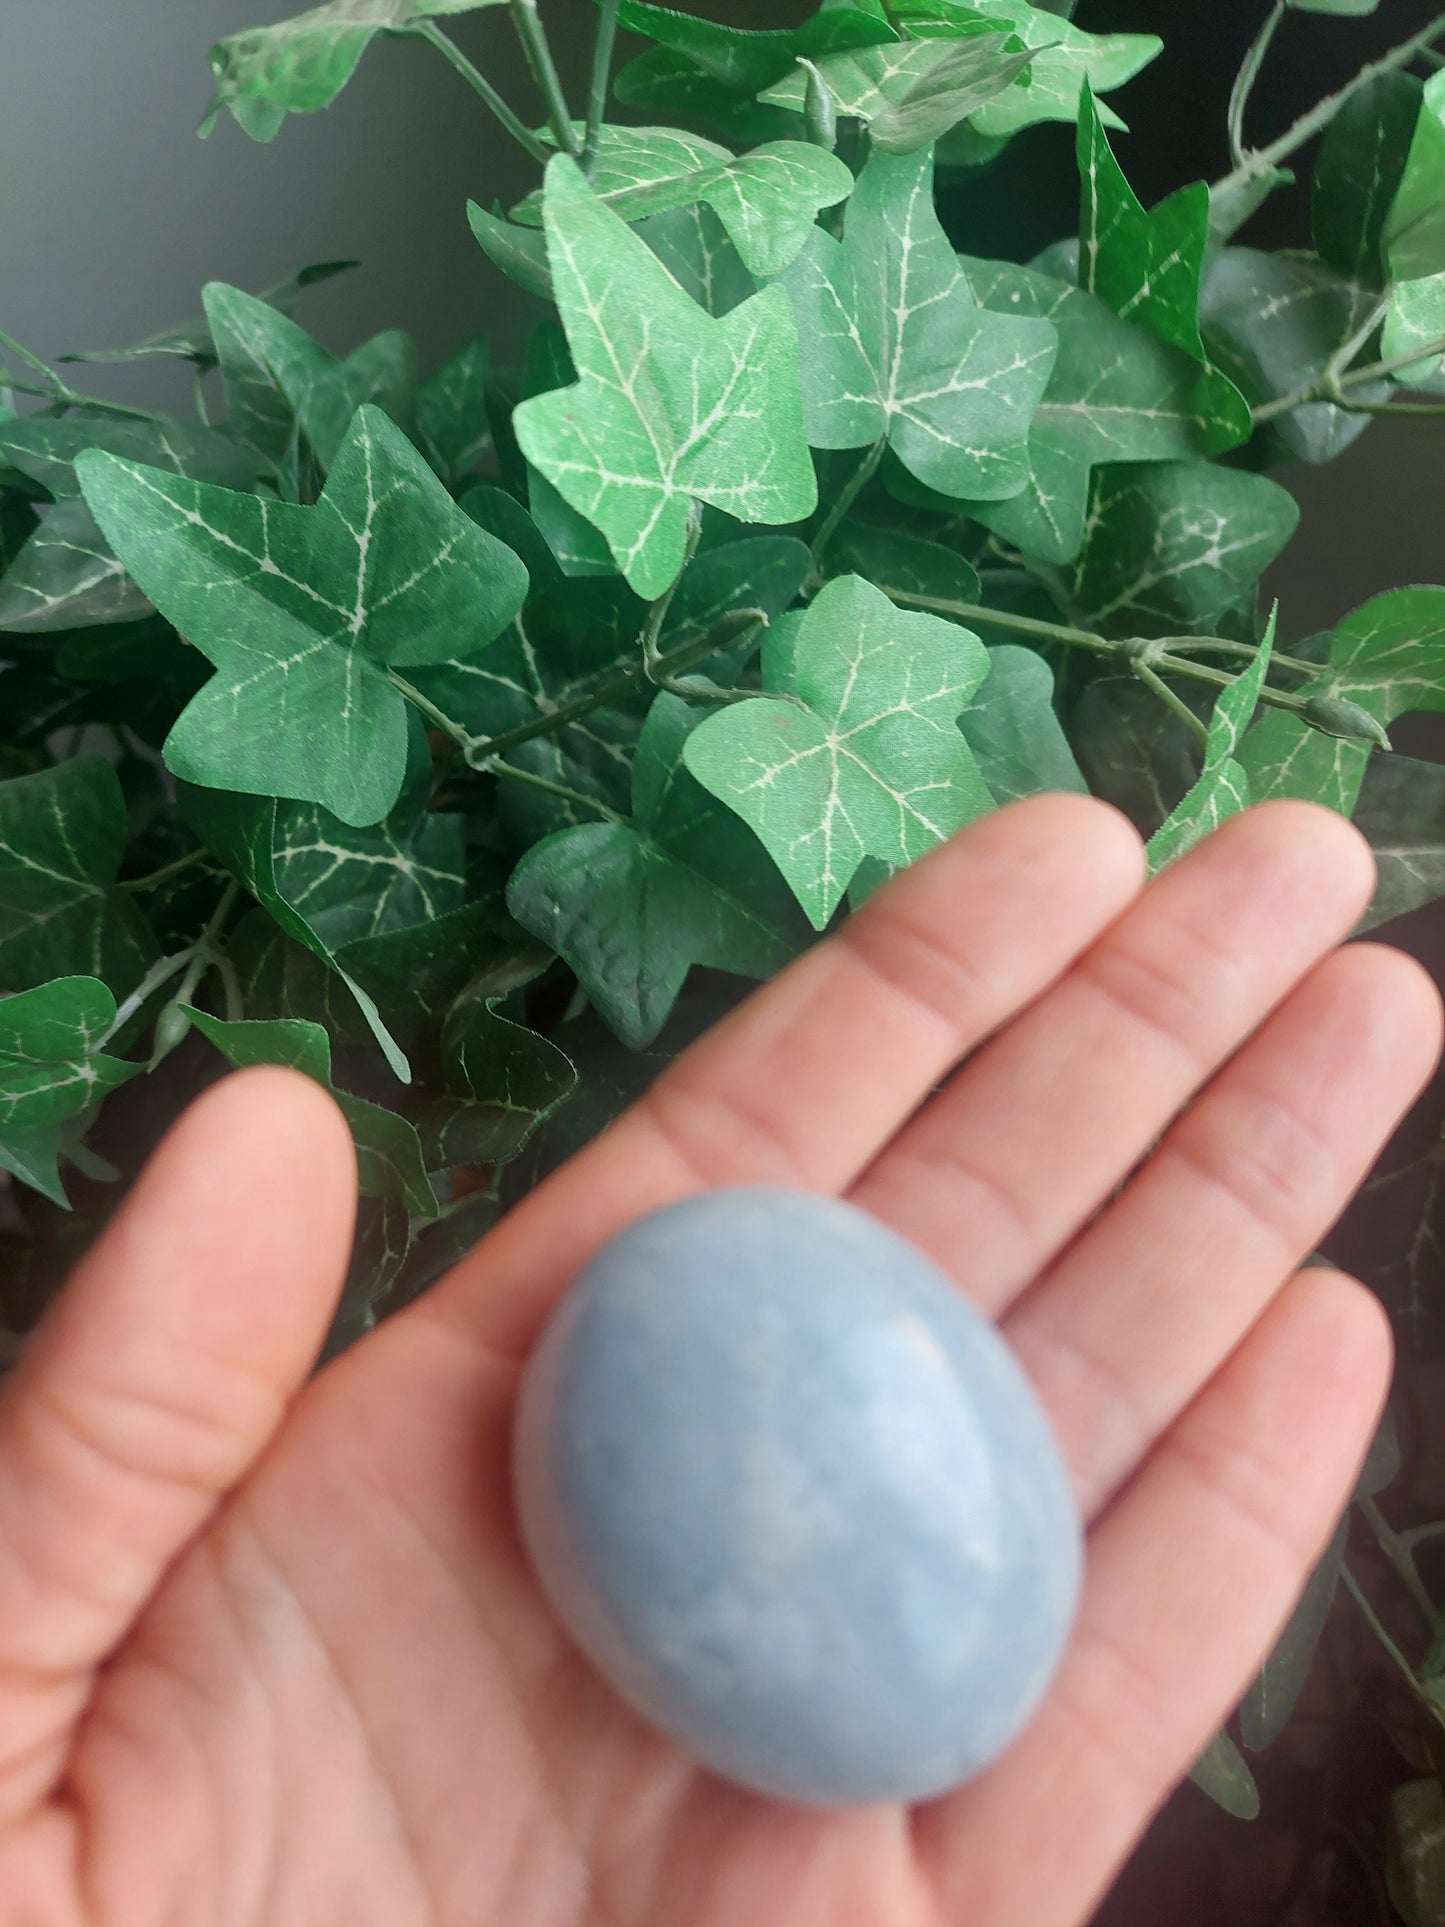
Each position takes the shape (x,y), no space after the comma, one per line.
(469,739)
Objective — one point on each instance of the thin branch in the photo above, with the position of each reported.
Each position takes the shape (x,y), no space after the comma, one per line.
(847,496)
(1402,1558)
(601,74)
(1171,699)
(1372,1620)
(1248,74)
(533,36)
(429,31)
(575,797)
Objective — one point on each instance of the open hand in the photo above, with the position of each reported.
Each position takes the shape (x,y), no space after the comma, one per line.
(270,1654)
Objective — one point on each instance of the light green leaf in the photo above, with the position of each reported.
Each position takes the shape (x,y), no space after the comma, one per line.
(1172,547)
(1389,657)
(1223,786)
(301,610)
(52,1066)
(1275,1690)
(693,246)
(1416,319)
(1116,394)
(899,347)
(747,62)
(1272,322)
(302,64)
(388,1151)
(1010,725)
(1414,236)
(766,199)
(1355,9)
(45,447)
(1401,813)
(62,838)
(66,577)
(855,750)
(632,907)
(192,340)
(671,404)
(912,93)
(1149,267)
(1222,1773)
(1361,161)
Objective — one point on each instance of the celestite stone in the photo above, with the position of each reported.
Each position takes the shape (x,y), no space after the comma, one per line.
(796,1500)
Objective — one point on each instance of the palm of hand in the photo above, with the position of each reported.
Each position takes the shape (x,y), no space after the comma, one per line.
(262,1665)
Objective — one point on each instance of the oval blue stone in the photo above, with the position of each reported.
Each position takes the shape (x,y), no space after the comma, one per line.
(796,1500)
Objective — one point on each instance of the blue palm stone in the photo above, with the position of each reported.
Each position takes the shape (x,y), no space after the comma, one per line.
(796,1500)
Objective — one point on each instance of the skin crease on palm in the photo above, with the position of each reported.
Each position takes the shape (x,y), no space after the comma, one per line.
(270,1655)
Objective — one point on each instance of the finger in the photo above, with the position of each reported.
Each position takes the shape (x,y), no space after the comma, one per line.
(803,1082)
(1076,1090)
(1124,1330)
(1190,1577)
(155,1383)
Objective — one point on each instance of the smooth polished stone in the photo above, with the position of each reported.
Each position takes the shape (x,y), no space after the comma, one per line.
(797,1500)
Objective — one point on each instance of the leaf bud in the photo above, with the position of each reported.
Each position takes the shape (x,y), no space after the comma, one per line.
(1337,716)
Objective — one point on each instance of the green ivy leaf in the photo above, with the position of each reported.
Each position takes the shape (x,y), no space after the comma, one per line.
(1361,161)
(412,974)
(520,252)
(663,85)
(66,577)
(453,426)
(899,347)
(766,200)
(388,1150)
(1416,319)
(747,62)
(909,567)
(671,404)
(1276,1688)
(910,94)
(303,610)
(1401,812)
(1115,394)
(1223,786)
(1389,657)
(287,394)
(1010,725)
(695,248)
(1355,9)
(193,341)
(1133,751)
(631,907)
(1222,1773)
(855,750)
(34,1158)
(379,1253)
(280,977)
(63,834)
(45,448)
(1172,547)
(303,63)
(52,1064)
(1149,267)
(1414,234)
(1272,322)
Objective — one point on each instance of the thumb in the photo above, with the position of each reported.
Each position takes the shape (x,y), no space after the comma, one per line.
(153,1386)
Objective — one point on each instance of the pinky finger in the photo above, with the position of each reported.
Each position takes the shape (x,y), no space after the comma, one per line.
(1192,1572)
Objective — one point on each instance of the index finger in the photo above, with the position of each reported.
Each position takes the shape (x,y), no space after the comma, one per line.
(803,1083)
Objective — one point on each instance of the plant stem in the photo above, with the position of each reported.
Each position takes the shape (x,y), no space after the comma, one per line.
(574,797)
(1402,1559)
(55,390)
(429,31)
(1372,1620)
(847,496)
(1334,388)
(1248,73)
(438,718)
(601,74)
(1171,699)
(163,874)
(533,36)
(1217,645)
(653,664)
(159,973)
(1263,159)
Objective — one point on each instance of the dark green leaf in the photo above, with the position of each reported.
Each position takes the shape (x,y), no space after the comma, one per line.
(1361,161)
(1401,811)
(62,839)
(1416,1872)
(519,252)
(65,577)
(748,62)
(388,1150)
(1134,752)
(45,449)
(302,610)
(1017,740)
(631,906)
(1222,1773)
(451,415)
(192,340)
